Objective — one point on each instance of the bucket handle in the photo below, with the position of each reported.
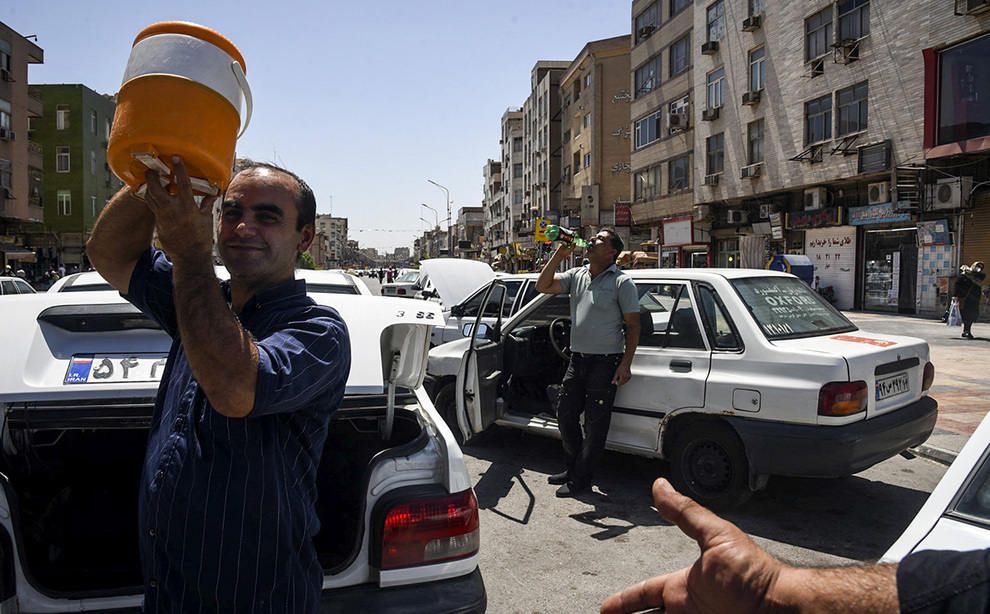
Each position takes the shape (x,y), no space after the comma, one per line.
(246,90)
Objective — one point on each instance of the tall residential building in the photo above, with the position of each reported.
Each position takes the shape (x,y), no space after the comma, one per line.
(541,146)
(596,136)
(334,231)
(21,181)
(78,182)
(503,215)
(469,230)
(491,204)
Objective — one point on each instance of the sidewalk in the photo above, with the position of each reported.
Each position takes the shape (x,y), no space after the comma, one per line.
(960,384)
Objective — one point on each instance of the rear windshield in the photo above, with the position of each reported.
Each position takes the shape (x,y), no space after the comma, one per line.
(786,308)
(331,289)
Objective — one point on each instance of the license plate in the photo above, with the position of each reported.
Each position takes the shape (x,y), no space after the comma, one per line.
(892,386)
(114,368)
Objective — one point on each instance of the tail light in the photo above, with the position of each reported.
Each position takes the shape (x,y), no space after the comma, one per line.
(431,530)
(842,398)
(400,291)
(929,377)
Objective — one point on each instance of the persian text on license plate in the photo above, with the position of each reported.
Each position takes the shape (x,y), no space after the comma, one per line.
(113,368)
(892,386)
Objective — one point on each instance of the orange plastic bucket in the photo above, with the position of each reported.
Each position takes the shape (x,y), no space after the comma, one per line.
(182,93)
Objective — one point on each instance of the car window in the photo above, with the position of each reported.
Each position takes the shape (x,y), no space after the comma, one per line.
(557,306)
(528,294)
(331,289)
(511,289)
(473,304)
(724,336)
(973,500)
(667,317)
(787,308)
(23,287)
(7,285)
(408,276)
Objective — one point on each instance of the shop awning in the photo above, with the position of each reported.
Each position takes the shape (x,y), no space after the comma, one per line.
(16,252)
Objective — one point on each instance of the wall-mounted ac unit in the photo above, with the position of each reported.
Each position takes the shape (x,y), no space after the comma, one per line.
(709,115)
(752,23)
(751,98)
(677,120)
(949,193)
(751,172)
(736,216)
(815,198)
(647,30)
(702,213)
(6,135)
(766,210)
(709,48)
(879,193)
(5,75)
(711,179)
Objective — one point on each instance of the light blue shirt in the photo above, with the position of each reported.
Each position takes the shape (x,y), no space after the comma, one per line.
(597,306)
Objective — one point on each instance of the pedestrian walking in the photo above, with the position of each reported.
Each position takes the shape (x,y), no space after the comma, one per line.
(967,293)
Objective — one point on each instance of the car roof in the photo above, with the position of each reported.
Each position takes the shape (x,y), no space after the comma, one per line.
(350,284)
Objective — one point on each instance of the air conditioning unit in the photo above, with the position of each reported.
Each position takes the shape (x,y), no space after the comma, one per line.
(751,172)
(879,193)
(702,213)
(750,98)
(752,23)
(6,135)
(766,210)
(815,198)
(647,31)
(5,75)
(709,115)
(709,48)
(736,216)
(949,193)
(677,120)
(711,179)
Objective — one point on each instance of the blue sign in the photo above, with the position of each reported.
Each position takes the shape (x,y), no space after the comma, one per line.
(877,214)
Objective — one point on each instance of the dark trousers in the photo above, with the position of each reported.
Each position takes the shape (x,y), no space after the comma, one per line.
(587,389)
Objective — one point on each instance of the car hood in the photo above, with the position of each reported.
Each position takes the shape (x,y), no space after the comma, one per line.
(454,278)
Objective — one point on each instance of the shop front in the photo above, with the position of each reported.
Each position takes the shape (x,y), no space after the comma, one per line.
(831,248)
(890,258)
(685,245)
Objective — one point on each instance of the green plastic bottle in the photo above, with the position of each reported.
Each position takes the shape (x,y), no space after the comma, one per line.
(564,235)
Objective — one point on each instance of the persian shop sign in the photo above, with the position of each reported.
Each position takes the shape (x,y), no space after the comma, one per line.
(815,218)
(876,214)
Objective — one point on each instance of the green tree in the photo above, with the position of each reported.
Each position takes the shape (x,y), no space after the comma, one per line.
(306,261)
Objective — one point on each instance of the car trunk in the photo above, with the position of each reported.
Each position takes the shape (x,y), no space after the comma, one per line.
(72,484)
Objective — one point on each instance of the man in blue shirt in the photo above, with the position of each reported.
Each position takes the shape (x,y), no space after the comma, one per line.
(602,300)
(256,369)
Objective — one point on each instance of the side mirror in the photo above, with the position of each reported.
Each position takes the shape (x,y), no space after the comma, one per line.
(482,330)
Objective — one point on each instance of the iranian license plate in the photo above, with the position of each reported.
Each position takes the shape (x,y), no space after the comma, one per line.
(892,386)
(114,368)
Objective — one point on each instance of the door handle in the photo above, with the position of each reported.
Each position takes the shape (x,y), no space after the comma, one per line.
(680,365)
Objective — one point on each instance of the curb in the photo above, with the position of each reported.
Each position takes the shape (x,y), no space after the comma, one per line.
(939,455)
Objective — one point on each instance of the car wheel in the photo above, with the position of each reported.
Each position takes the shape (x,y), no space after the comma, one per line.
(446,404)
(708,463)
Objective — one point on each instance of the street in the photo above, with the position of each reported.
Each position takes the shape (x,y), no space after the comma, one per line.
(541,554)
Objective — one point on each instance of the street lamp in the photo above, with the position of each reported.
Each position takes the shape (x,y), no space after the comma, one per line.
(432,235)
(435,214)
(450,246)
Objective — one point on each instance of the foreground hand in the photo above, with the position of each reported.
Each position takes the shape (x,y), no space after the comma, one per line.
(185,227)
(732,574)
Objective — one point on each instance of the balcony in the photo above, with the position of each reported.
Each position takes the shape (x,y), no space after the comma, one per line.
(36,102)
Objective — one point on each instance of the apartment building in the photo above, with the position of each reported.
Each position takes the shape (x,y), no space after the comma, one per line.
(331,235)
(596,137)
(21,181)
(541,147)
(504,187)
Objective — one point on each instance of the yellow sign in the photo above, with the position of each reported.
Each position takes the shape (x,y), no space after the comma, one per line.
(540,235)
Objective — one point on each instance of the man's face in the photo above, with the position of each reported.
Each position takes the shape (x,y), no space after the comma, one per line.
(256,235)
(600,247)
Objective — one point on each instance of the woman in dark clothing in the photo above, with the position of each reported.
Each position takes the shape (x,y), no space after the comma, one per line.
(967,293)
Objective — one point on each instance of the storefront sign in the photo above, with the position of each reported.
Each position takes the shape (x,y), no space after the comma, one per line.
(776,230)
(833,252)
(933,233)
(877,214)
(621,214)
(815,218)
(678,231)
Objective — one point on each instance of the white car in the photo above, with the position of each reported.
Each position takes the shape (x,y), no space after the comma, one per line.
(459,319)
(956,515)
(80,370)
(739,374)
(15,285)
(403,286)
(330,282)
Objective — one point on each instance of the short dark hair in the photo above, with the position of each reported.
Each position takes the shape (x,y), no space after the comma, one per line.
(305,201)
(615,241)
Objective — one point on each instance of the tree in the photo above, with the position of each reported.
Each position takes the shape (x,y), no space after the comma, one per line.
(306,261)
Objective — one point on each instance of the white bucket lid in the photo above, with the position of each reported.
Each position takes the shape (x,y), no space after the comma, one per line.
(193,58)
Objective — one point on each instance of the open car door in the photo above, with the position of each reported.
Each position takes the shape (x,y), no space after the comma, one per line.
(480,372)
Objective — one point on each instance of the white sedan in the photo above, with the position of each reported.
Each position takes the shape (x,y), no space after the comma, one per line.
(740,374)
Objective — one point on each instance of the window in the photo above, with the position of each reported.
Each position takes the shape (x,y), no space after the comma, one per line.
(711,308)
(567,136)
(567,174)
(106,129)
(648,76)
(818,120)
(517,144)
(62,117)
(681,105)
(716,88)
(577,163)
(587,160)
(5,60)
(5,118)
(517,197)
(647,22)
(716,21)
(516,171)
(756,69)
(817,34)
(587,80)
(62,160)
(728,253)
(667,317)
(754,138)
(852,109)
(587,120)
(680,55)
(6,174)
(678,173)
(676,6)
(854,19)
(648,129)
(964,87)
(92,202)
(715,146)
(755,7)
(647,184)
(92,122)
(64,200)
(92,163)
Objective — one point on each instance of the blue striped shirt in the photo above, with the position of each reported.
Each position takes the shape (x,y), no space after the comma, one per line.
(226,506)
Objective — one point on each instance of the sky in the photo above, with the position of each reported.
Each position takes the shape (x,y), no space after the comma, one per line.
(366,101)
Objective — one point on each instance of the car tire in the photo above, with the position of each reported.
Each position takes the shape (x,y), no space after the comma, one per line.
(446,404)
(708,463)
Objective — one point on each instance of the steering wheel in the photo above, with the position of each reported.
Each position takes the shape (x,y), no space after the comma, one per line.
(560,337)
